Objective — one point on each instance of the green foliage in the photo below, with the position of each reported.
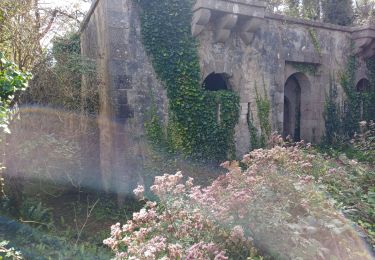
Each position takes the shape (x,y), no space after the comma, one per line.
(154,130)
(12,80)
(311,9)
(9,253)
(342,122)
(315,41)
(264,110)
(254,139)
(369,96)
(36,215)
(331,114)
(351,185)
(193,128)
(337,11)
(58,80)
(351,113)
(306,68)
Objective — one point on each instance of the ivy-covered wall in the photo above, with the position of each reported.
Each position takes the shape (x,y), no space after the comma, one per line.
(193,127)
(151,69)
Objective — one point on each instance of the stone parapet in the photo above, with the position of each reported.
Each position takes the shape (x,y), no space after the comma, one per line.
(364,41)
(244,16)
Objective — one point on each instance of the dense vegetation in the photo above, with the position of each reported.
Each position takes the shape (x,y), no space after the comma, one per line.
(274,206)
(283,200)
(193,126)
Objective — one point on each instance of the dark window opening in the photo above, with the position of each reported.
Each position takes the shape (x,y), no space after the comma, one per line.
(216,82)
(363,85)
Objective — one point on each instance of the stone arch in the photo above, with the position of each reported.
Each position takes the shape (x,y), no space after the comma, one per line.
(216,82)
(363,85)
(298,117)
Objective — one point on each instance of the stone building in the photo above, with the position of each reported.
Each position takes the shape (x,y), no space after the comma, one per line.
(241,47)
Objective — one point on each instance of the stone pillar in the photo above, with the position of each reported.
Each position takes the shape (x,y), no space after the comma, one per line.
(242,136)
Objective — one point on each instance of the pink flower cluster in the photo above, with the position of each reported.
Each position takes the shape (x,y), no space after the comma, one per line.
(272,202)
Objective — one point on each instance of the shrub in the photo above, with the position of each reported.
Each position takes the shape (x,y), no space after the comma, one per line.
(365,140)
(273,205)
(9,253)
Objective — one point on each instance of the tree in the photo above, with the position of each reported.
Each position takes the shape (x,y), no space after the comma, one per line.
(338,11)
(311,9)
(12,81)
(364,11)
(26,26)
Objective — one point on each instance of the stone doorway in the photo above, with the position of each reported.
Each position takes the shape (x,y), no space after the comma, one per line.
(297,108)
(292,109)
(363,87)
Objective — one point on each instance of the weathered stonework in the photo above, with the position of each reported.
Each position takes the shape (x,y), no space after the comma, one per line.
(128,88)
(236,37)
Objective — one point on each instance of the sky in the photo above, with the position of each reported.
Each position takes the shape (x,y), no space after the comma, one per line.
(68,5)
(85,5)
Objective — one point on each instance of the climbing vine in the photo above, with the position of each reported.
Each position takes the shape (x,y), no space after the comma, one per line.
(315,41)
(193,128)
(264,109)
(332,114)
(259,137)
(369,96)
(306,68)
(342,120)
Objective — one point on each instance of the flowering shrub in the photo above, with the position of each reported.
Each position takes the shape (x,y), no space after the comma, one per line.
(365,141)
(174,229)
(272,205)
(9,253)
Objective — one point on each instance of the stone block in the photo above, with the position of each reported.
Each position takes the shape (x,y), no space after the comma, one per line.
(124,112)
(116,35)
(122,96)
(119,51)
(121,82)
(117,19)
(115,5)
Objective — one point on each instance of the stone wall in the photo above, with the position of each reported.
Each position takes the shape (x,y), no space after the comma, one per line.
(128,89)
(236,37)
(260,50)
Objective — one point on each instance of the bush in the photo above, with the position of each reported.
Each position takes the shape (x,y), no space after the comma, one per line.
(273,205)
(365,141)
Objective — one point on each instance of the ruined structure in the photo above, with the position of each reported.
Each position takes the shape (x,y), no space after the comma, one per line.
(241,48)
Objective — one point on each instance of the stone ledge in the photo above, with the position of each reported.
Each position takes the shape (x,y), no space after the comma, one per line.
(227,15)
(364,41)
(308,23)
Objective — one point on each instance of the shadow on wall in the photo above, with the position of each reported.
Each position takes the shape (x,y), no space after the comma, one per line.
(298,115)
(216,82)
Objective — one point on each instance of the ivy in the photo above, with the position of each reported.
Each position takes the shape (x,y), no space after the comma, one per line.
(264,110)
(369,97)
(254,138)
(332,114)
(306,68)
(351,108)
(193,127)
(315,41)
(342,120)
(12,80)
(263,105)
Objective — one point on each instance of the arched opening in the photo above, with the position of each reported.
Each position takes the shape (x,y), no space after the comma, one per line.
(298,117)
(362,87)
(292,109)
(216,82)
